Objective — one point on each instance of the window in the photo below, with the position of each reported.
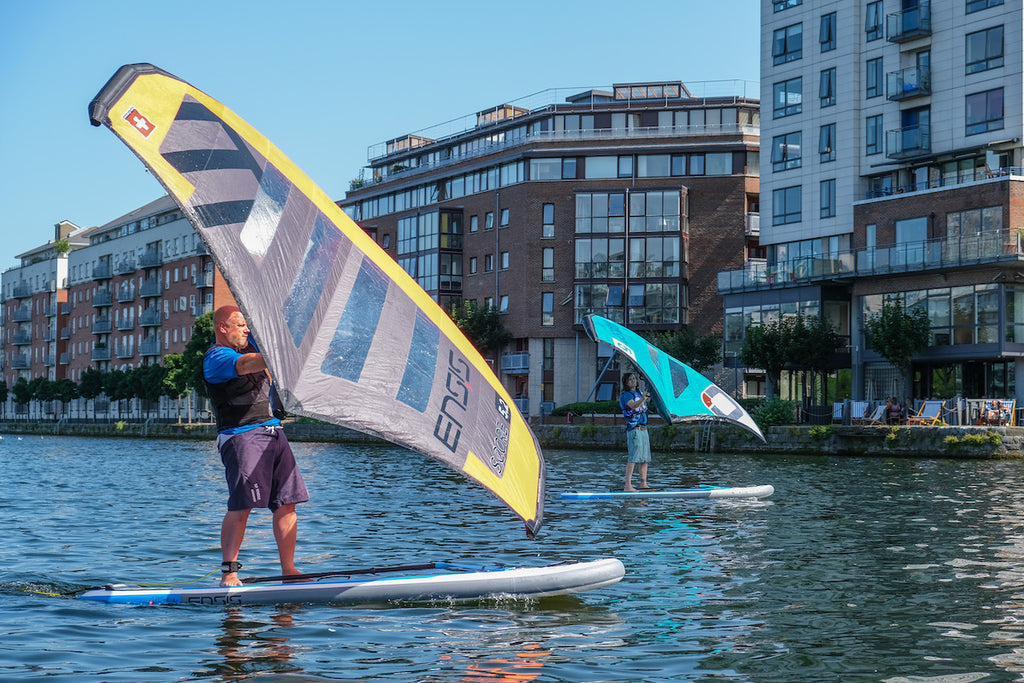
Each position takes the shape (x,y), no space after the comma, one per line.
(547,309)
(474,223)
(489,221)
(504,219)
(601,167)
(985,50)
(626,167)
(548,225)
(827,142)
(547,272)
(488,263)
(779,5)
(787,97)
(828,198)
(827,33)
(569,168)
(787,44)
(827,87)
(873,78)
(873,21)
(786,205)
(873,135)
(504,260)
(601,212)
(472,265)
(786,151)
(978,5)
(985,111)
(545,169)
(503,304)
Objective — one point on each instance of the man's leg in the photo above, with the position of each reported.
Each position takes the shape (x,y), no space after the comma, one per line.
(232,531)
(286,525)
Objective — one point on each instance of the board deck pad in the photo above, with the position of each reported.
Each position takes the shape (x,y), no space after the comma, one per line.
(520,582)
(702,493)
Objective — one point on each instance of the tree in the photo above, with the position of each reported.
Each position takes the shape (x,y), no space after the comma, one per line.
(767,346)
(812,345)
(117,385)
(90,384)
(147,382)
(685,345)
(22,392)
(482,326)
(65,391)
(43,390)
(192,357)
(896,334)
(3,397)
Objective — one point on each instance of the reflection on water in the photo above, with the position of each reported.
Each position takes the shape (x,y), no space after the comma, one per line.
(248,646)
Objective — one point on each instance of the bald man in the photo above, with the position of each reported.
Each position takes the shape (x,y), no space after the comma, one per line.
(258,462)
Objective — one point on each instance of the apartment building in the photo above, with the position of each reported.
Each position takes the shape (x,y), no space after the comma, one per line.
(894,170)
(624,201)
(34,307)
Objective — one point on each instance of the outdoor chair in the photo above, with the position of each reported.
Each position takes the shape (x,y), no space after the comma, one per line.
(930,415)
(877,417)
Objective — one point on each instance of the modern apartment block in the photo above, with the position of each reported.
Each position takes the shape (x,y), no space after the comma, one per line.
(625,202)
(893,169)
(35,309)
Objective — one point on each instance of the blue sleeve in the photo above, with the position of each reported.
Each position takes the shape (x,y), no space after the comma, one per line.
(219,365)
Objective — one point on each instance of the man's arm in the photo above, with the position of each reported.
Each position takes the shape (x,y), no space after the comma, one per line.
(249,363)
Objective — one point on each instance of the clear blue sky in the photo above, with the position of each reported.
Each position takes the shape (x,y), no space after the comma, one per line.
(323,80)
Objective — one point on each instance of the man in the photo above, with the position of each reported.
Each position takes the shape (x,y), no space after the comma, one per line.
(258,462)
(634,409)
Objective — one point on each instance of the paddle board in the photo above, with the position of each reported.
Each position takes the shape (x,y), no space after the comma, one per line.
(519,582)
(704,492)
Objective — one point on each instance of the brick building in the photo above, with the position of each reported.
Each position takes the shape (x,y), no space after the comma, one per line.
(623,202)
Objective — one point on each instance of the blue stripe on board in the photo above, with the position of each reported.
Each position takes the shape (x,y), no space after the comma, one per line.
(311,280)
(418,380)
(350,346)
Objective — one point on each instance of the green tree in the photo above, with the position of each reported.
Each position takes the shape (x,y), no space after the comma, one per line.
(482,326)
(65,391)
(117,385)
(90,384)
(699,352)
(192,357)
(3,397)
(812,345)
(767,346)
(147,382)
(43,390)
(896,334)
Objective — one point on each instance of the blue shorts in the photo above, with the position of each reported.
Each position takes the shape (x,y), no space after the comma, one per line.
(639,445)
(260,470)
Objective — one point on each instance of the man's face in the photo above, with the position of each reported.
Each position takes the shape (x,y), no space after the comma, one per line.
(236,331)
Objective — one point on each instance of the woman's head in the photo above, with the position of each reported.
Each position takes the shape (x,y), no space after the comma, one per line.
(629,381)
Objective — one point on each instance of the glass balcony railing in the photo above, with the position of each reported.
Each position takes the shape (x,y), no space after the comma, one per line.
(515,363)
(913,22)
(927,255)
(907,83)
(908,142)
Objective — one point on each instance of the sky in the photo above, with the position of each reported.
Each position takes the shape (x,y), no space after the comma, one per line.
(323,80)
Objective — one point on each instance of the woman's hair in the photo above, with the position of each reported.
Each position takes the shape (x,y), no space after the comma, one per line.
(626,377)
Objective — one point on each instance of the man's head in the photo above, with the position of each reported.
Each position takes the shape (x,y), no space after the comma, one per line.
(230,328)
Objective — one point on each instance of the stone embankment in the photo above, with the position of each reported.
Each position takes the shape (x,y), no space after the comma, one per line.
(953,442)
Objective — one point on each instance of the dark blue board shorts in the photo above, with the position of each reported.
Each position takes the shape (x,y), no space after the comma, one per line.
(260,470)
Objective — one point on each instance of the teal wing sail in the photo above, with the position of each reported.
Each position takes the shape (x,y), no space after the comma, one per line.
(679,392)
(348,336)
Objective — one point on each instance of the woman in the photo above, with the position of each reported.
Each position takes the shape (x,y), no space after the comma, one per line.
(634,409)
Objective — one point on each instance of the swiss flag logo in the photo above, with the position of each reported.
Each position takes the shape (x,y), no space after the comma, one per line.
(139,122)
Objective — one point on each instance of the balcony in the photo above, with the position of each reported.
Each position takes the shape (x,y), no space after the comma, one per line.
(515,363)
(65,358)
(102,271)
(150,288)
(151,258)
(910,23)
(150,317)
(21,361)
(752,224)
(102,297)
(930,255)
(65,333)
(204,279)
(907,83)
(911,141)
(48,335)
(101,353)
(65,308)
(123,350)
(126,323)
(125,267)
(22,337)
(101,326)
(22,314)
(125,294)
(49,359)
(149,347)
(49,310)
(21,291)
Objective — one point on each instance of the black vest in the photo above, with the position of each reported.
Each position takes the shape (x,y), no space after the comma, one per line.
(244,400)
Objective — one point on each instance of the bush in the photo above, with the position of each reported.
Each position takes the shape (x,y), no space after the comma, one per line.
(597,407)
(774,412)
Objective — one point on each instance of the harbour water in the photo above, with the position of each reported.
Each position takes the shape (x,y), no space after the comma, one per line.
(857,569)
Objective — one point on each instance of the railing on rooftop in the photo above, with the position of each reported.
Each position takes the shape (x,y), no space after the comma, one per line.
(949,181)
(934,254)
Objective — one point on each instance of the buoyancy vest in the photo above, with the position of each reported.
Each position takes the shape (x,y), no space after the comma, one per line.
(241,401)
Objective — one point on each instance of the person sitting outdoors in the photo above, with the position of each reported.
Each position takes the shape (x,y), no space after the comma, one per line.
(994,412)
(893,410)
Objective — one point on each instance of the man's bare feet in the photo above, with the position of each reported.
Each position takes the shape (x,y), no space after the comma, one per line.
(230,579)
(629,489)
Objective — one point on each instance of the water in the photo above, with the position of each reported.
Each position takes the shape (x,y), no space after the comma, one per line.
(855,570)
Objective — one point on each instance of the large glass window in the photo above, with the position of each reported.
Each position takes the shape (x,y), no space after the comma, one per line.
(873,78)
(873,14)
(601,167)
(985,111)
(828,198)
(653,166)
(547,309)
(984,49)
(787,44)
(786,203)
(786,151)
(545,169)
(787,97)
(827,32)
(978,5)
(873,135)
(827,87)
(548,221)
(827,142)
